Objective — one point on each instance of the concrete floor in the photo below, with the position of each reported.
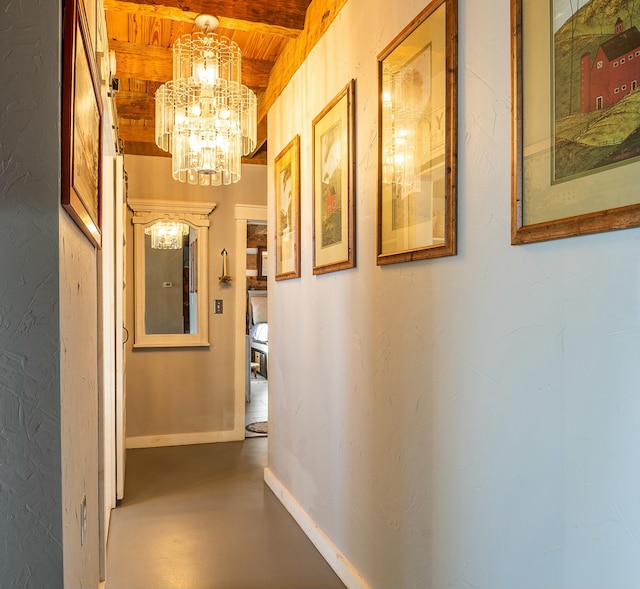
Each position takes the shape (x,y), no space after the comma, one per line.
(257,409)
(201,517)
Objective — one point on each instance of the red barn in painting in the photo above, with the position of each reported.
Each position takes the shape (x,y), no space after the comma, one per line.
(331,200)
(615,71)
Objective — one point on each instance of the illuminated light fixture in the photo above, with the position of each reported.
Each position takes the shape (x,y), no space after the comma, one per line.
(402,115)
(205,116)
(166,235)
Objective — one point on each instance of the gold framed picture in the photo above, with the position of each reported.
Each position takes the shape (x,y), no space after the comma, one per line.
(333,184)
(417,142)
(81,126)
(287,213)
(576,119)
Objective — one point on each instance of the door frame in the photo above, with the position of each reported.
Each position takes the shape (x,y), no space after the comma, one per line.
(122,334)
(106,359)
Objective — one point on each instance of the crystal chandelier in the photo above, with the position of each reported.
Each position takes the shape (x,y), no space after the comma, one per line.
(402,110)
(205,116)
(167,235)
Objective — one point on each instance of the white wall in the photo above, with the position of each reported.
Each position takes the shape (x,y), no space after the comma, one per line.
(462,422)
(30,457)
(48,324)
(187,395)
(79,402)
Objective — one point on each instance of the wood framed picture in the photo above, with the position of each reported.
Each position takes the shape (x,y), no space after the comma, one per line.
(287,213)
(417,140)
(81,125)
(576,118)
(333,184)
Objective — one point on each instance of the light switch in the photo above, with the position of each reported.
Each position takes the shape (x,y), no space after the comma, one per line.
(217,306)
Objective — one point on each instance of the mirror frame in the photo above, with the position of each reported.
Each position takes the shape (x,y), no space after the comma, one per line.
(146,213)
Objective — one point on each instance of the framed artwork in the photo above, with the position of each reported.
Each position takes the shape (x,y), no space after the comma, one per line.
(576,118)
(333,184)
(81,125)
(287,214)
(417,139)
(262,263)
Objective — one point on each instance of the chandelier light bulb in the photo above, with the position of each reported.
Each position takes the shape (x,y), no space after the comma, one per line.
(167,235)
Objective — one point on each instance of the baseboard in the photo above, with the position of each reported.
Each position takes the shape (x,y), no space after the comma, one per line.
(185,439)
(336,560)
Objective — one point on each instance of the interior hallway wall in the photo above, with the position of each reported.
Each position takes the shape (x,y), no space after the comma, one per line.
(79,400)
(469,421)
(48,324)
(30,413)
(178,395)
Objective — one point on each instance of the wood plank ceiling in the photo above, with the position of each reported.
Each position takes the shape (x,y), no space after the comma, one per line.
(141,33)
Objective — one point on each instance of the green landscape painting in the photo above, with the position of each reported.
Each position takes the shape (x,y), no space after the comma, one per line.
(596,72)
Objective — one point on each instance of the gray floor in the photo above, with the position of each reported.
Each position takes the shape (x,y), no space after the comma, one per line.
(201,517)
(257,409)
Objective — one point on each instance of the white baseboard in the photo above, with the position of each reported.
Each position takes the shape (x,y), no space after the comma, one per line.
(185,439)
(336,560)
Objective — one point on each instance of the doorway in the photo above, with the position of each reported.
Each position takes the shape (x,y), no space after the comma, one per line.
(257,332)
(251,390)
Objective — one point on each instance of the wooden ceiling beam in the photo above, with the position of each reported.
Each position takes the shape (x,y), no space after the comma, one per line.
(142,62)
(143,148)
(262,135)
(276,17)
(135,105)
(320,15)
(137,133)
(259,158)
(146,62)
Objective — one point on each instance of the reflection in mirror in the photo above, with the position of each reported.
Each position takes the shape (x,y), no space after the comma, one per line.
(171,275)
(170,291)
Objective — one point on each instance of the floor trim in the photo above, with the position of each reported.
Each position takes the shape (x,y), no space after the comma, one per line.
(336,560)
(185,439)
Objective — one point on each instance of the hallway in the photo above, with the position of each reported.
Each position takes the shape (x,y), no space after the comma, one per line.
(200,517)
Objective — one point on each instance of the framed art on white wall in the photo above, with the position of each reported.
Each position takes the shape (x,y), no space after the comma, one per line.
(576,118)
(333,184)
(417,140)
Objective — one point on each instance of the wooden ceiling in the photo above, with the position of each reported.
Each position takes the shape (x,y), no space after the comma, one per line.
(141,33)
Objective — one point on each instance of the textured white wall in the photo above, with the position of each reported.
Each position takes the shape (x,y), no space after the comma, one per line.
(48,395)
(79,401)
(462,422)
(30,462)
(188,390)
(48,422)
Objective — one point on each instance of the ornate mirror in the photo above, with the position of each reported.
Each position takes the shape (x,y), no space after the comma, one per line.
(171,274)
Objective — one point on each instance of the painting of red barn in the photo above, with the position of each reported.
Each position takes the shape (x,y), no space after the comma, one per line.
(596,71)
(614,72)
